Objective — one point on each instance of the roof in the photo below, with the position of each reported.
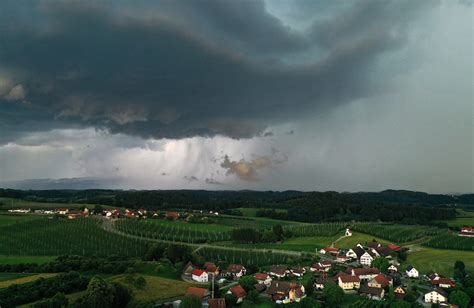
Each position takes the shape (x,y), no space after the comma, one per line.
(198,292)
(330,249)
(366,271)
(410,267)
(321,279)
(197,272)
(365,289)
(216,303)
(238,291)
(349,278)
(298,270)
(358,251)
(261,276)
(281,287)
(383,250)
(373,244)
(382,280)
(279,270)
(393,247)
(209,266)
(443,280)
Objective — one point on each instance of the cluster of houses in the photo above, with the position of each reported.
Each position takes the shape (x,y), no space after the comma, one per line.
(71,214)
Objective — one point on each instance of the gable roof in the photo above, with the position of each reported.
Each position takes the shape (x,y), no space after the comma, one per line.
(366,271)
(348,278)
(382,280)
(281,287)
(261,276)
(198,272)
(279,270)
(238,291)
(393,247)
(358,251)
(410,267)
(383,251)
(198,292)
(440,291)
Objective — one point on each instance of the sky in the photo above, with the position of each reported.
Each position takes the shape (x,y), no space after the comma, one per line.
(224,95)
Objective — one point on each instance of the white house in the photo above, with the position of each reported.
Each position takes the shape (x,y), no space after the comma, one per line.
(366,259)
(200,275)
(436,296)
(412,272)
(348,232)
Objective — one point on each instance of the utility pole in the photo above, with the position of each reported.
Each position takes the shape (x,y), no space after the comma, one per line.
(212,295)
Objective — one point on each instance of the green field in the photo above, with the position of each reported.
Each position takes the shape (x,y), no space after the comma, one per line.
(157,288)
(179,231)
(251,222)
(25,259)
(10,219)
(439,260)
(397,233)
(53,237)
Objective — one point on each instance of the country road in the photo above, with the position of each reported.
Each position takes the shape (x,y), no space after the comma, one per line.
(108,225)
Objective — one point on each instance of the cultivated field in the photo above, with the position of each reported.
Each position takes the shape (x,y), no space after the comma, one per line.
(52,237)
(397,233)
(439,260)
(178,231)
(451,241)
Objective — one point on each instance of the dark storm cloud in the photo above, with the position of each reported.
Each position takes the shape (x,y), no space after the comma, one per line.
(176,69)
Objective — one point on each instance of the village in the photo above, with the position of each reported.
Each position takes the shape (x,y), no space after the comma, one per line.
(371,271)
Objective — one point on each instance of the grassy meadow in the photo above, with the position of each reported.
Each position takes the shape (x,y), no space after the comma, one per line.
(25,279)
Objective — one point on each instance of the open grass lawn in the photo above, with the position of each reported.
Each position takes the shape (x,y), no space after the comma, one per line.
(439,260)
(356,238)
(25,259)
(157,288)
(21,280)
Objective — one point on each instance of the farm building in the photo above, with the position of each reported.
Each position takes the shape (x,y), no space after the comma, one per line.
(199,275)
(412,272)
(436,296)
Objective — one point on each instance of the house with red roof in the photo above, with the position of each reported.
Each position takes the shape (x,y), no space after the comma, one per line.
(200,293)
(172,215)
(199,275)
(380,281)
(216,303)
(238,292)
(393,247)
(263,278)
(467,231)
(443,282)
(329,250)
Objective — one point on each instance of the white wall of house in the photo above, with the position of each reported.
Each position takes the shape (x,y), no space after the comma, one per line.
(434,297)
(203,278)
